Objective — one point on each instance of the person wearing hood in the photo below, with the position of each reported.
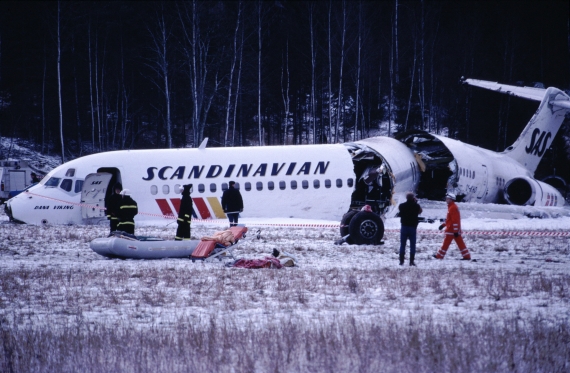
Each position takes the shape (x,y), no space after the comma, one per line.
(452,227)
(127,210)
(232,203)
(112,205)
(184,214)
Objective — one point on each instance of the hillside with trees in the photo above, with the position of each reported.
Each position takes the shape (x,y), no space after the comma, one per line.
(78,77)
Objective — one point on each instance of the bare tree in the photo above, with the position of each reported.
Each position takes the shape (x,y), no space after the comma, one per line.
(329,98)
(313,63)
(59,82)
(199,62)
(238,87)
(232,68)
(285,85)
(91,87)
(160,66)
(358,70)
(342,55)
(259,72)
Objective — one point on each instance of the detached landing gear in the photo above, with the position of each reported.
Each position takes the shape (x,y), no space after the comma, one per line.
(361,228)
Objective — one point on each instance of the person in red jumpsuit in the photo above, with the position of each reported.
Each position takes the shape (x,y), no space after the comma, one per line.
(452,227)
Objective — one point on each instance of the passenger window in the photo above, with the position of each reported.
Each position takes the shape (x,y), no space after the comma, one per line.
(259,185)
(53,182)
(316,184)
(305,184)
(224,187)
(338,183)
(153,190)
(66,185)
(328,183)
(473,174)
(213,188)
(350,183)
(165,189)
(236,186)
(282,185)
(78,186)
(201,188)
(70,172)
(270,185)
(176,189)
(248,186)
(293,184)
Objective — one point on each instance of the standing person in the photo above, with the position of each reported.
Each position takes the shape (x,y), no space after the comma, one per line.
(127,211)
(409,212)
(112,205)
(35,178)
(232,203)
(452,227)
(184,214)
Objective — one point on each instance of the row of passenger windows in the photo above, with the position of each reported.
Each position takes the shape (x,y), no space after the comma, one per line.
(259,185)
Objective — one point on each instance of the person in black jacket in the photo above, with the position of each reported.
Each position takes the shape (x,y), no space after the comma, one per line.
(409,212)
(112,205)
(232,203)
(184,214)
(127,211)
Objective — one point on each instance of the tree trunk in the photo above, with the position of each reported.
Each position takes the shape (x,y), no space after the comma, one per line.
(329,98)
(358,71)
(259,72)
(285,91)
(59,82)
(232,68)
(91,88)
(313,62)
(339,108)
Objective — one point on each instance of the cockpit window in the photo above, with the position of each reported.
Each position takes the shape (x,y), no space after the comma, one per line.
(70,172)
(53,182)
(78,186)
(66,185)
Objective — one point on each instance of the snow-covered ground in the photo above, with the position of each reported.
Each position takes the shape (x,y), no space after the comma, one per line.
(342,308)
(520,281)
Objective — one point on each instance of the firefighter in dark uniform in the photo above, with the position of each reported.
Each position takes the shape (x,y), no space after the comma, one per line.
(112,204)
(184,214)
(127,211)
(232,203)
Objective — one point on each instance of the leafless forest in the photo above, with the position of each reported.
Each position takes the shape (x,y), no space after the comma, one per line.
(78,77)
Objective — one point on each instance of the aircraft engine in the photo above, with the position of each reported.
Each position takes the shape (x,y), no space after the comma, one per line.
(526,191)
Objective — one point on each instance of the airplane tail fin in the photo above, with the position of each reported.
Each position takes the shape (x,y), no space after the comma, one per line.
(538,134)
(540,131)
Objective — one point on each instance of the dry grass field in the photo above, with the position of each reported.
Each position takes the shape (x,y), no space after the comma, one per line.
(64,308)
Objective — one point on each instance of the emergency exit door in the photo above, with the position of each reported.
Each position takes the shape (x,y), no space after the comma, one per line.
(93,195)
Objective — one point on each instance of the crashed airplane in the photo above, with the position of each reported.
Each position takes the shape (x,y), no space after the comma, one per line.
(308,181)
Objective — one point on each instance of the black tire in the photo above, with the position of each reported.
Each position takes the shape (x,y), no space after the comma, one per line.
(345,224)
(366,228)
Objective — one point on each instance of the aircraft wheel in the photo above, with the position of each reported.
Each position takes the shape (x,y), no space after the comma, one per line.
(366,228)
(345,224)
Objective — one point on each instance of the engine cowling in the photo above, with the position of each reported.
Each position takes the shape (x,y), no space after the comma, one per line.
(526,191)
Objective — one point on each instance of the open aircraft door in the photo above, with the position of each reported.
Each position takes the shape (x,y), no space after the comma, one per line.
(93,195)
(483,191)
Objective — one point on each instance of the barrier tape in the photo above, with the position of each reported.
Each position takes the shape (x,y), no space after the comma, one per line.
(301,225)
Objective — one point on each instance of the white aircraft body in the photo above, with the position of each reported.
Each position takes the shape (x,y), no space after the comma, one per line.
(307,181)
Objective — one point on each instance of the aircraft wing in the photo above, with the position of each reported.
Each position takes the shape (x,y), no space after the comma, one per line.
(531,93)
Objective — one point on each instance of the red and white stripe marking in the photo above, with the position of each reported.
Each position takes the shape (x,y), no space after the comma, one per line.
(292,225)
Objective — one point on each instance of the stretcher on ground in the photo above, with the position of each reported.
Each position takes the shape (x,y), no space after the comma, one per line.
(210,249)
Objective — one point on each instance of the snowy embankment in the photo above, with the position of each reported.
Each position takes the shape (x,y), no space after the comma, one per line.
(343,308)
